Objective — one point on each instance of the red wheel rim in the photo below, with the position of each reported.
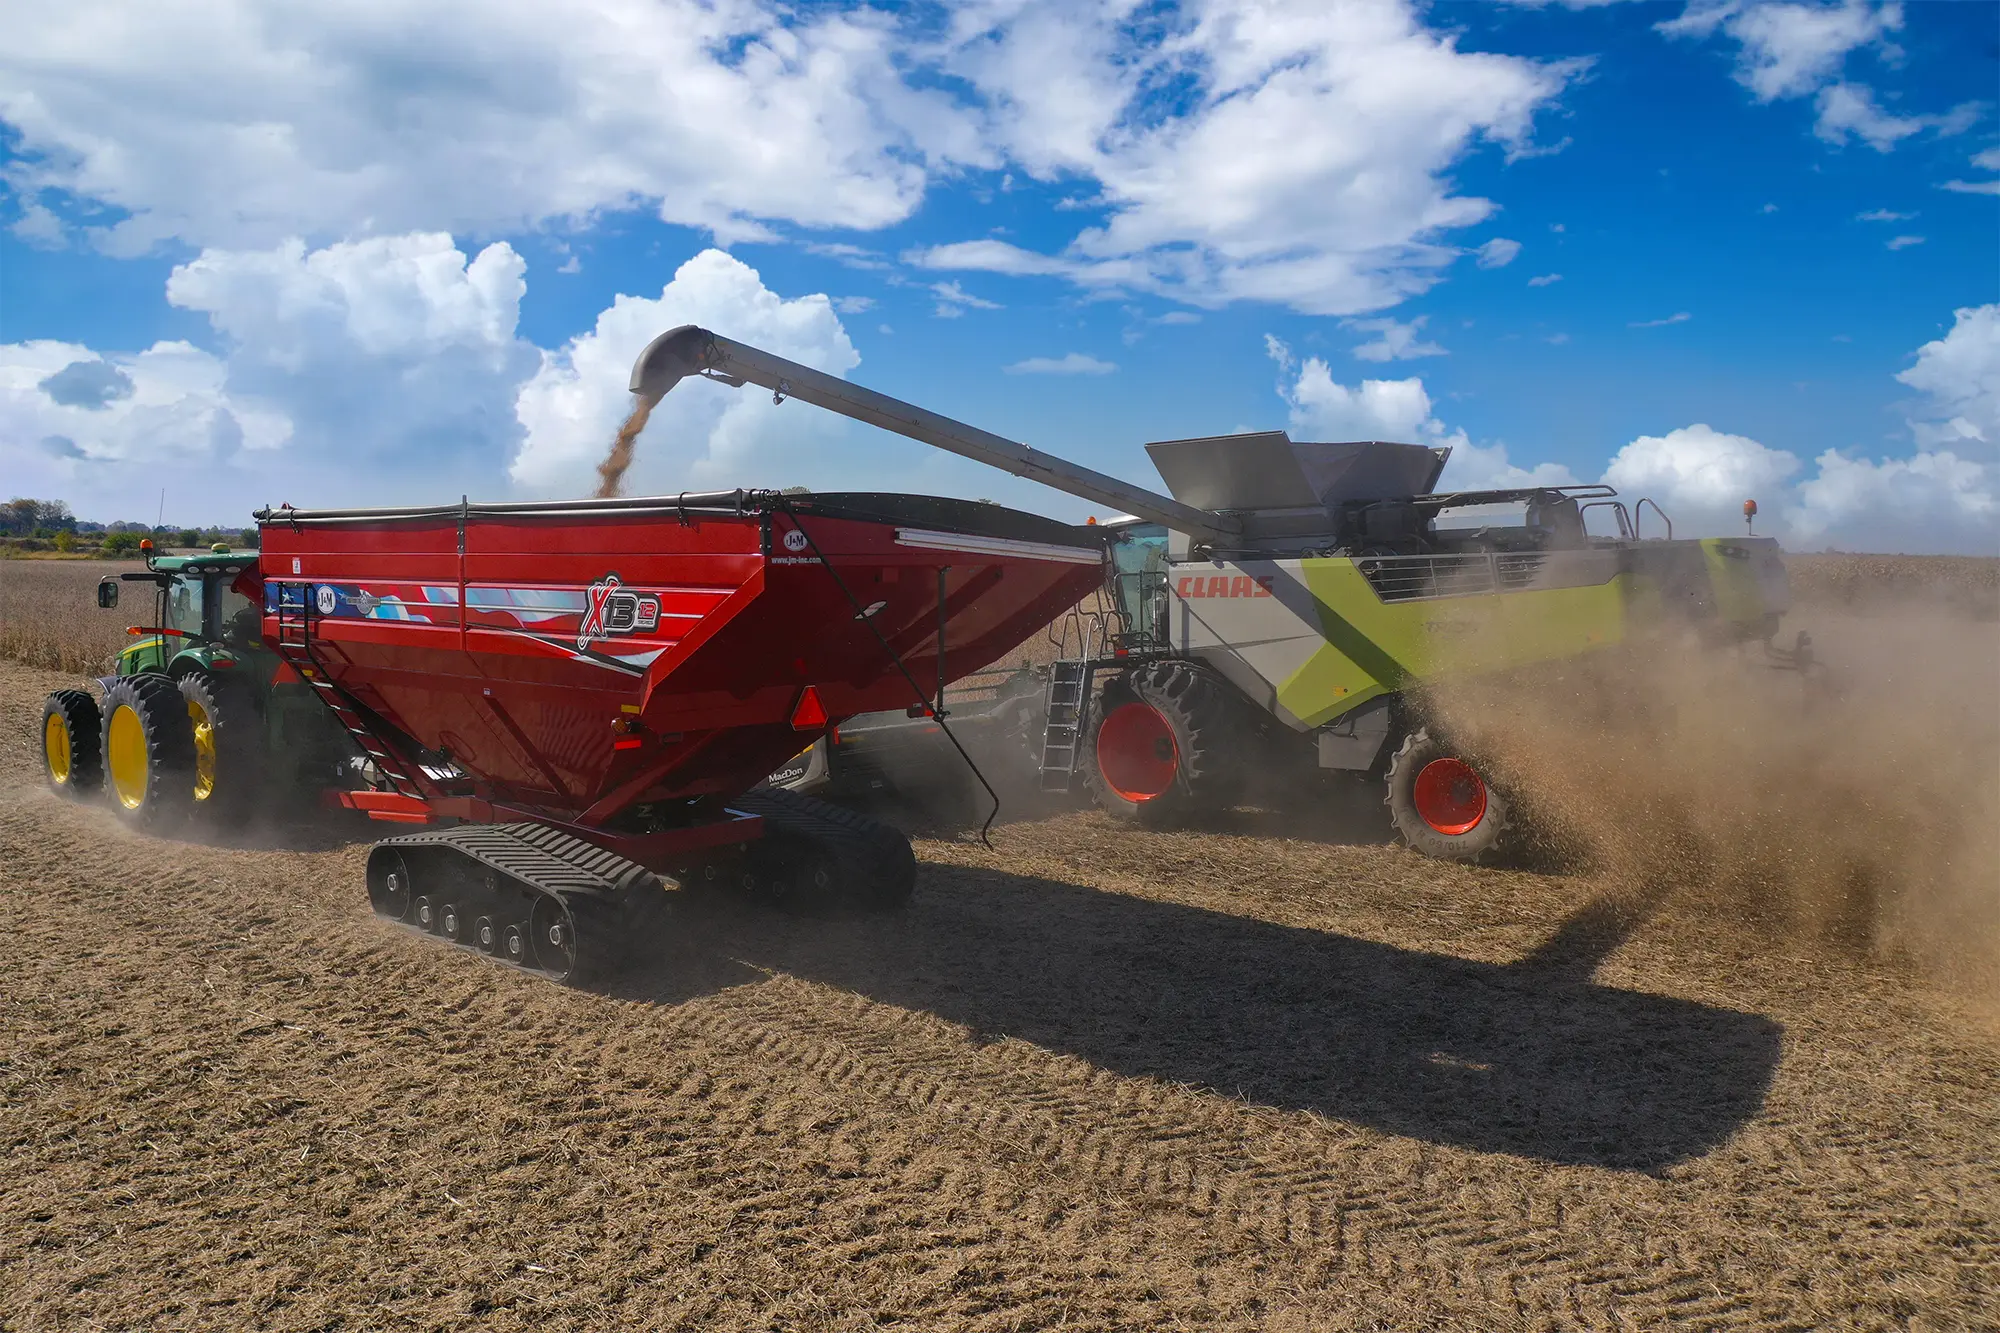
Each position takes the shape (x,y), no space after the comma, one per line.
(1136,752)
(1450,797)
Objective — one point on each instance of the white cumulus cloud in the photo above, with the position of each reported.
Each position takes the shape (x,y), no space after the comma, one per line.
(1393,340)
(1787,49)
(1700,476)
(1498,252)
(220,122)
(1309,167)
(1959,376)
(1322,408)
(1073,363)
(160,416)
(702,436)
(359,373)
(1942,497)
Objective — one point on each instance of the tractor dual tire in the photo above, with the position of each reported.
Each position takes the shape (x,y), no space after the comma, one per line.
(1169,743)
(1441,803)
(73,744)
(149,760)
(222,721)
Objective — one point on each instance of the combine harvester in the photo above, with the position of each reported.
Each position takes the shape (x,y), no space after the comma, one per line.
(1293,606)
(579,695)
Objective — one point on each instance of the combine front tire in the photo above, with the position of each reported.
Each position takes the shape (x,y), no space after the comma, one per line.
(226,784)
(72,755)
(1441,803)
(148,751)
(1169,743)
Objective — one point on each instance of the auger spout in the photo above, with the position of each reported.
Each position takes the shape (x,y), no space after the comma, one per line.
(691,350)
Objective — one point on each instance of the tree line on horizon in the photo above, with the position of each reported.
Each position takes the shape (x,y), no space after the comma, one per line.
(32,524)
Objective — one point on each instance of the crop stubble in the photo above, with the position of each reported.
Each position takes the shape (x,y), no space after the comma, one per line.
(1245,1078)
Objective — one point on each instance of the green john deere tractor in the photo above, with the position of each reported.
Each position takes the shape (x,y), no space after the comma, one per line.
(200,719)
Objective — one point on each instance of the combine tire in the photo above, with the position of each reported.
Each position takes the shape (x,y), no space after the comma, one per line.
(148,752)
(72,754)
(226,780)
(1168,744)
(1440,803)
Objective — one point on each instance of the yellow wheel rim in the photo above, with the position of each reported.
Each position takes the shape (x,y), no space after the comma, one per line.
(125,753)
(55,748)
(204,751)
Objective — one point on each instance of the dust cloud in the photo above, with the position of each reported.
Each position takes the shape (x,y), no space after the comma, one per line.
(611,472)
(1860,807)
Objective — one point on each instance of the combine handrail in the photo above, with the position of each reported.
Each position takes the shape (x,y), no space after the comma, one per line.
(692,350)
(1639,516)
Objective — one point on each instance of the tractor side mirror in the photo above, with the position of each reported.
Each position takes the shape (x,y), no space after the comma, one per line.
(107,593)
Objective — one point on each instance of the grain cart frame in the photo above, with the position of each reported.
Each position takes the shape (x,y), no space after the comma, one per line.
(1301,598)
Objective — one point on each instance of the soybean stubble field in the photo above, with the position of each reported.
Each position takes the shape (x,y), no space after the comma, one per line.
(1272,1074)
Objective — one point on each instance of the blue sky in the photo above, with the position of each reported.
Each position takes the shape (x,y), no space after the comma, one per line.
(1705,250)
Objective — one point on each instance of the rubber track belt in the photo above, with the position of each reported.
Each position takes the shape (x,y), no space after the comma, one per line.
(540,857)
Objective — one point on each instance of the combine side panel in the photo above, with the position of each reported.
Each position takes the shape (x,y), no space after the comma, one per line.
(1314,639)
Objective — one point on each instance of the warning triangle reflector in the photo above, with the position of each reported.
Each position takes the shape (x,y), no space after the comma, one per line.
(810,715)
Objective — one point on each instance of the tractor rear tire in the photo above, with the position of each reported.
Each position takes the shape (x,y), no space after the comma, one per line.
(72,744)
(1440,802)
(148,752)
(1168,745)
(227,780)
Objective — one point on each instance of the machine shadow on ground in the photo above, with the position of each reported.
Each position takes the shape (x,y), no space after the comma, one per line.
(1530,1058)
(1339,811)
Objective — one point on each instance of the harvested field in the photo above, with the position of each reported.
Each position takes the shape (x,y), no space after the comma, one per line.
(1102,1079)
(1271,1075)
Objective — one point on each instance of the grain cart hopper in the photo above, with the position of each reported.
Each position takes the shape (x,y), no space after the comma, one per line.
(1292,603)
(575,697)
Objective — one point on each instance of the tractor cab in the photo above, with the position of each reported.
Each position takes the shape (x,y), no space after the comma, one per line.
(204,613)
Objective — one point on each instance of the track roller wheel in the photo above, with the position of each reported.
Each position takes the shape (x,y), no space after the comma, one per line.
(72,744)
(816,857)
(1441,803)
(389,890)
(1170,743)
(574,942)
(487,935)
(453,925)
(425,914)
(148,752)
(514,947)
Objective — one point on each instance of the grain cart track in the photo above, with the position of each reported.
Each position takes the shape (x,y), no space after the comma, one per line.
(1108,1079)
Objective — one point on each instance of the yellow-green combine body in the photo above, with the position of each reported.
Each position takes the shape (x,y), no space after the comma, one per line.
(1314,639)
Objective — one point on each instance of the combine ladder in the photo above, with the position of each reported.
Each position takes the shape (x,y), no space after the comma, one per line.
(295,646)
(1068,714)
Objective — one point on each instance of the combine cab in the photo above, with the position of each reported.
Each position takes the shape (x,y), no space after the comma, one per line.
(1294,606)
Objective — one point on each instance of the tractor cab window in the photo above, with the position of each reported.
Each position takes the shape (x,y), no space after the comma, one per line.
(185,604)
(237,619)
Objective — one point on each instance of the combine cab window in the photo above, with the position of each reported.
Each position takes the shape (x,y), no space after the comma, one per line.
(1140,562)
(184,606)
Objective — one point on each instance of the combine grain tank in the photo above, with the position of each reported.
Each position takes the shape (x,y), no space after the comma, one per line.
(587,691)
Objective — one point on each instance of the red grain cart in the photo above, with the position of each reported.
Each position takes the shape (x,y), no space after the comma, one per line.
(587,691)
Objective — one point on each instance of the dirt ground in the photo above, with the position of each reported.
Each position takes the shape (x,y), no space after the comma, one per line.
(1098,1079)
